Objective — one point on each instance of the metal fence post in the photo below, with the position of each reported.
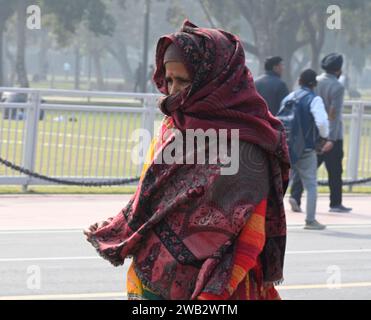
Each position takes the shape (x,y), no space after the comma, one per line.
(29,147)
(355,141)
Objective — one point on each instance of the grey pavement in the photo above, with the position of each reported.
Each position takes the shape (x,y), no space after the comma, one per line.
(44,255)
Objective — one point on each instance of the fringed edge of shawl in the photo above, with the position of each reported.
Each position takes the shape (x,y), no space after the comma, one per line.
(274,283)
(115,261)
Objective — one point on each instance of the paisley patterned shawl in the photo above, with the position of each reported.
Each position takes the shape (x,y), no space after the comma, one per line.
(181,224)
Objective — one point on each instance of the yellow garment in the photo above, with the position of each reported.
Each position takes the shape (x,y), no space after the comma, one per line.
(135,289)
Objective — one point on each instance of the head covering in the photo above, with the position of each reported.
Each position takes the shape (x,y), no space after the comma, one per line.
(173,54)
(332,62)
(222,94)
(308,78)
(171,212)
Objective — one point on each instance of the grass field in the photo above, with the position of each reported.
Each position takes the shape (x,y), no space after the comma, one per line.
(101,145)
(95,145)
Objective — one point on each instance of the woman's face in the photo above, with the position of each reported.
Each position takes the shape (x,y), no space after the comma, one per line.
(177,77)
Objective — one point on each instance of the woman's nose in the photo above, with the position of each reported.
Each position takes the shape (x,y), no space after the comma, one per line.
(174,89)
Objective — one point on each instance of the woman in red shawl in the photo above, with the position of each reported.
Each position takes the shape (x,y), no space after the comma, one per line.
(192,232)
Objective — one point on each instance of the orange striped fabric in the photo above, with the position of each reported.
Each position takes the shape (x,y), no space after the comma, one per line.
(246,279)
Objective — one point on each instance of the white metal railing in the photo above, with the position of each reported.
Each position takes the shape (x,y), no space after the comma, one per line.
(88,135)
(357,141)
(74,135)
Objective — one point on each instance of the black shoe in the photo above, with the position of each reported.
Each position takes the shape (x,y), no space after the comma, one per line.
(340,209)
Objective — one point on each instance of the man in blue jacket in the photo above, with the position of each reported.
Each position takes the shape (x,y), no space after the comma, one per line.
(314,124)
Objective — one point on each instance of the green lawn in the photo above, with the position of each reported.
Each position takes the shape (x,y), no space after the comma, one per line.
(96,145)
(99,145)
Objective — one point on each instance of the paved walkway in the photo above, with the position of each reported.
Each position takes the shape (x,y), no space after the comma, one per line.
(19,212)
(71,269)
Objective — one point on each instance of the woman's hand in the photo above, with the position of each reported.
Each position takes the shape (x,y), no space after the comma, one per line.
(94,227)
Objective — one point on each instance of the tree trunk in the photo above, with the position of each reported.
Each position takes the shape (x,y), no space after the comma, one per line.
(43,58)
(276,46)
(122,60)
(315,58)
(125,62)
(21,44)
(89,69)
(77,66)
(98,69)
(11,62)
(316,30)
(298,65)
(52,78)
(2,82)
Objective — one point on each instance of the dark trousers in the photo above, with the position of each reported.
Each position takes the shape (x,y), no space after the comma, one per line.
(333,162)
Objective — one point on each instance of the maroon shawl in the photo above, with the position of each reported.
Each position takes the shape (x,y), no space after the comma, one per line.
(175,256)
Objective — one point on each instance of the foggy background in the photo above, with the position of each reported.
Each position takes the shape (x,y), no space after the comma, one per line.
(99,44)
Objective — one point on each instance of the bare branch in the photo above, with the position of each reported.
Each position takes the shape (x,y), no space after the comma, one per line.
(250,48)
(207,14)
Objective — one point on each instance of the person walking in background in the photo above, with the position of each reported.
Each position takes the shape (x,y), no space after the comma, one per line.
(311,123)
(332,93)
(270,85)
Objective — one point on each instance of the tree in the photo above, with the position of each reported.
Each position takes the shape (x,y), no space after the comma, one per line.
(45,44)
(354,39)
(21,70)
(315,18)
(274,26)
(126,44)
(66,18)
(126,33)
(314,30)
(281,27)
(357,22)
(7,10)
(64,15)
(10,36)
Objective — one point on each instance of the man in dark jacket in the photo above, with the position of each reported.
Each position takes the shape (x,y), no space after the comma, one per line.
(332,93)
(270,85)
